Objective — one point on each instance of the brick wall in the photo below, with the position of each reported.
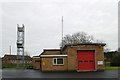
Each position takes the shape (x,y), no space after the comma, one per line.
(72,55)
(47,64)
(70,62)
(36,63)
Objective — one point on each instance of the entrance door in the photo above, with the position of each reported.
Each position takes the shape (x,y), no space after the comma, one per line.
(86,60)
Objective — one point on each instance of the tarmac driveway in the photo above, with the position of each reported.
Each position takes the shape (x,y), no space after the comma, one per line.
(6,73)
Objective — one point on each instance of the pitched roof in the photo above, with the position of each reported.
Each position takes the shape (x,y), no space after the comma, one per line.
(14,57)
(36,56)
(51,51)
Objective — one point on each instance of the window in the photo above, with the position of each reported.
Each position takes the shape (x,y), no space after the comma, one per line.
(91,60)
(80,60)
(58,61)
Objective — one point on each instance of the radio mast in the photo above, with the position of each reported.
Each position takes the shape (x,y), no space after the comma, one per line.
(62,31)
(62,37)
(10,49)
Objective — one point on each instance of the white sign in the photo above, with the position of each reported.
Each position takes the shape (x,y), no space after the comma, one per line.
(100,62)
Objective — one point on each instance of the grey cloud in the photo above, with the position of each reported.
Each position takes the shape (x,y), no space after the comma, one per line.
(43,22)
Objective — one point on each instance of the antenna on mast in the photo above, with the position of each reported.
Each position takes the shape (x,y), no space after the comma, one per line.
(62,37)
(10,49)
(62,31)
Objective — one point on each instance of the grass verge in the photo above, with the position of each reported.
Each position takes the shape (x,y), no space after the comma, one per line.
(112,68)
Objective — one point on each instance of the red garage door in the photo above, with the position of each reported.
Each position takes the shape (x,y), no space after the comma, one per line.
(86,60)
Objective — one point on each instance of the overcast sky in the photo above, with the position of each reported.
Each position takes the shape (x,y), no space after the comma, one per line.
(42,20)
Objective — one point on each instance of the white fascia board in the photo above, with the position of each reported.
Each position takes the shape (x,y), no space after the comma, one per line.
(36,57)
(53,55)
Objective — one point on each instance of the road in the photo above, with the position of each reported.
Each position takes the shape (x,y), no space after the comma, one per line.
(6,73)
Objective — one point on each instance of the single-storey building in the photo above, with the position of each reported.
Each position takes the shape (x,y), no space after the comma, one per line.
(36,62)
(12,59)
(79,57)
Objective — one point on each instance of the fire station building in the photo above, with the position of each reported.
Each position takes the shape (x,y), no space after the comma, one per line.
(79,57)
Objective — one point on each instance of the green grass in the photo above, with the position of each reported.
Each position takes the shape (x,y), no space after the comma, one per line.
(112,68)
(14,66)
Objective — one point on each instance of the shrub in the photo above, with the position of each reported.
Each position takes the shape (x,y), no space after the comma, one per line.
(115,61)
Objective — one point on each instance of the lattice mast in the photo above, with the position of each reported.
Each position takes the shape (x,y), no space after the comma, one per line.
(20,45)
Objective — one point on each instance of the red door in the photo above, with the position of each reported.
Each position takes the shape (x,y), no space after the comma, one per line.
(86,60)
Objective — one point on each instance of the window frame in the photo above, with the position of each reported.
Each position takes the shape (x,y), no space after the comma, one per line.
(57,60)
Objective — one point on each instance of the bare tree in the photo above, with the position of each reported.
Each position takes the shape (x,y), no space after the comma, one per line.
(106,49)
(77,38)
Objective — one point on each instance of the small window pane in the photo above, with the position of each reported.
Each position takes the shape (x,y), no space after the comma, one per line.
(80,60)
(85,61)
(91,60)
(59,61)
(54,61)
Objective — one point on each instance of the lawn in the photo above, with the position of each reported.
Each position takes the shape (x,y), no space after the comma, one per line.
(14,66)
(112,68)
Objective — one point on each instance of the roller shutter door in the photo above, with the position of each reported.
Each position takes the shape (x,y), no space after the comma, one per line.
(86,59)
